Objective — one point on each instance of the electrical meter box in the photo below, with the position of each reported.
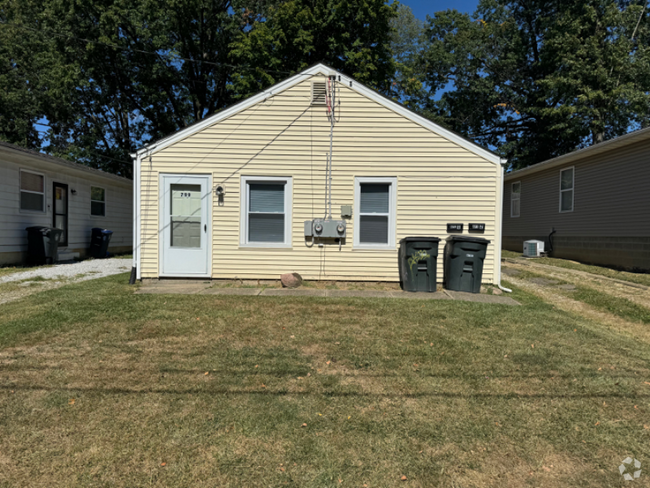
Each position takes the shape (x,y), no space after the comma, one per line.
(326,229)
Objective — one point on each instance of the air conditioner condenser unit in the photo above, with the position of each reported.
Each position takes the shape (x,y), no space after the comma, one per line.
(533,248)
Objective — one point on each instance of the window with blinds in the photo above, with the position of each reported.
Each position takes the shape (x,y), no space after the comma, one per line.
(32,191)
(267,212)
(515,199)
(376,215)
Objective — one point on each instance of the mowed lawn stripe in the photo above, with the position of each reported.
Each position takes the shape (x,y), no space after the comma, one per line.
(101,387)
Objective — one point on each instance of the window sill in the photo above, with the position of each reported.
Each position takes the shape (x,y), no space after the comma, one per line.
(374,248)
(261,245)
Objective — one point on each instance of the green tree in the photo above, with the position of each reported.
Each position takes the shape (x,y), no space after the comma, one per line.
(537,79)
(352,36)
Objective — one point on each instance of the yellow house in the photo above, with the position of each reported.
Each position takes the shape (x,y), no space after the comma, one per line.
(237,194)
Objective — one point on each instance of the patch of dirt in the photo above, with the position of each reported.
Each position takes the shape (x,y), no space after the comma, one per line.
(639,294)
(557,298)
(543,281)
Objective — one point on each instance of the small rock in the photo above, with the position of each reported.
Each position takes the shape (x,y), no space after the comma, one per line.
(496,291)
(483,289)
(291,280)
(303,425)
(403,478)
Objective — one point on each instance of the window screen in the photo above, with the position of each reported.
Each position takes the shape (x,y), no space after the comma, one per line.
(32,193)
(266,212)
(374,213)
(97,201)
(566,190)
(515,199)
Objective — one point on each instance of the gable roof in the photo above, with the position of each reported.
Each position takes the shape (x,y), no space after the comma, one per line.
(6,147)
(320,69)
(617,142)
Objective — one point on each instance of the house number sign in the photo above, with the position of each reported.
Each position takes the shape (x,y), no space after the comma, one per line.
(454,228)
(477,227)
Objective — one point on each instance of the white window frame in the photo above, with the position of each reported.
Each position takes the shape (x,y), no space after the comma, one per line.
(512,199)
(572,189)
(97,201)
(392,215)
(244,199)
(20,190)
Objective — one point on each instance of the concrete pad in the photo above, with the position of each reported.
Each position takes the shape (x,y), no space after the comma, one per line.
(481,298)
(171,290)
(358,294)
(285,292)
(420,296)
(232,291)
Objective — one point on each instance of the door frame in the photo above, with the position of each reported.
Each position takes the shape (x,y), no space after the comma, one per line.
(161,224)
(67,210)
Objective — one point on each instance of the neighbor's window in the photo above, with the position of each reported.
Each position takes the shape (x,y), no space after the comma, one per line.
(97,201)
(32,191)
(266,211)
(515,199)
(375,199)
(567,177)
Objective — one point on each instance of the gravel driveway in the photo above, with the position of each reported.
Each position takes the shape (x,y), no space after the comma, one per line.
(18,285)
(89,270)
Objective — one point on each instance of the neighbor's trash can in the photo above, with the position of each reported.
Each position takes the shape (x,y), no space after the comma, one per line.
(43,244)
(418,258)
(463,263)
(99,242)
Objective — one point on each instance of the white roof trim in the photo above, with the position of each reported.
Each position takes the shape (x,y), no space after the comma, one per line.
(630,138)
(321,69)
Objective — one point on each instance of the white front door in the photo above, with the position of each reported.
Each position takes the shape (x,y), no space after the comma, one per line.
(185,233)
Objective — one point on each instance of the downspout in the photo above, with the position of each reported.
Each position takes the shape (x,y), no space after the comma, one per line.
(136,271)
(500,240)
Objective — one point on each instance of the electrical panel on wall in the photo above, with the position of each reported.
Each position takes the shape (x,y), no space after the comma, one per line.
(326,229)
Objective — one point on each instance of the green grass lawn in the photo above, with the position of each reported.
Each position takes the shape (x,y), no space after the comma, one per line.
(101,387)
(640,278)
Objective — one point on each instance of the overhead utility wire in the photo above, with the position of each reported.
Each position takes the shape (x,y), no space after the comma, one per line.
(142,51)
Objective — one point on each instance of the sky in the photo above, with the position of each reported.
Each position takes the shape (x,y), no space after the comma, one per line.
(423,7)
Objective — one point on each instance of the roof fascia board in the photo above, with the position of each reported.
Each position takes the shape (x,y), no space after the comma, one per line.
(350,82)
(622,141)
(32,157)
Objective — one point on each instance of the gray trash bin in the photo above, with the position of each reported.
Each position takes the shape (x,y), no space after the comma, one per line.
(463,263)
(43,244)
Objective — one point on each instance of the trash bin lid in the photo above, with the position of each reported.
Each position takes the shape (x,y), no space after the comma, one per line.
(420,239)
(467,239)
(103,231)
(37,228)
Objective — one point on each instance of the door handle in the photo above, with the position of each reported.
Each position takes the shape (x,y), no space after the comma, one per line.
(205,227)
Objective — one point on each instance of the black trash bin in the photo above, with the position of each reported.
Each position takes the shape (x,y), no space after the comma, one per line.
(418,258)
(99,242)
(463,262)
(43,244)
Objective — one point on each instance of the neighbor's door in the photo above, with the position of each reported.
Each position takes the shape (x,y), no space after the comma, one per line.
(185,226)
(60,214)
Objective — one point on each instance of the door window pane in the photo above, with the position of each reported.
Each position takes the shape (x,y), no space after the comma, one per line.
(60,200)
(60,223)
(185,215)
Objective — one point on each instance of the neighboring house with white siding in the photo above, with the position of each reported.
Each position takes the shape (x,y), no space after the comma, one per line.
(596,199)
(229,197)
(41,190)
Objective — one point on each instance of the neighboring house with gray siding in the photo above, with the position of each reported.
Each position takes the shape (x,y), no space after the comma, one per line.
(597,199)
(41,190)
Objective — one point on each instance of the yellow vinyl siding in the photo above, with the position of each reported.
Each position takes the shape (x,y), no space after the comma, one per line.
(437,182)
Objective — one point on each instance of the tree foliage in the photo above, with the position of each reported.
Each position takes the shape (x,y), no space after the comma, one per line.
(539,78)
(110,75)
